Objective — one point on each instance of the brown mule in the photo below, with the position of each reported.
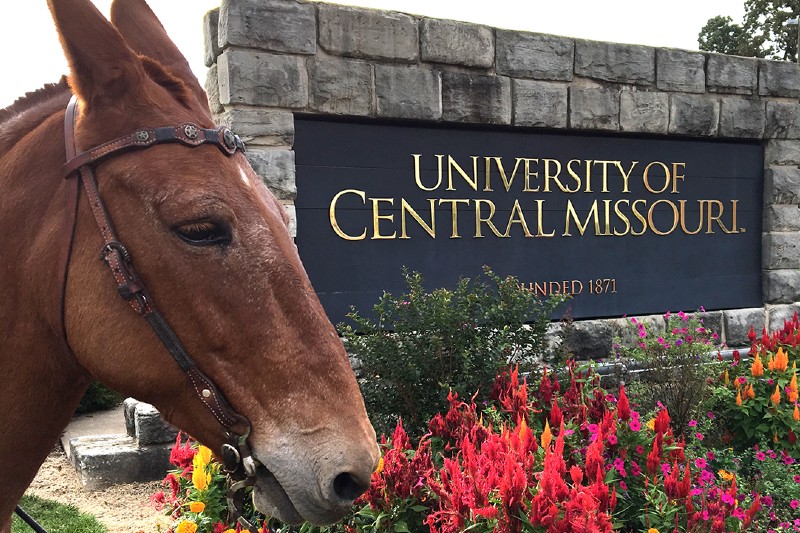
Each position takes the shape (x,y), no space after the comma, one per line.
(211,245)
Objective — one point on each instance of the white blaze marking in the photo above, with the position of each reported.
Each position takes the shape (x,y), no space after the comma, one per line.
(244,177)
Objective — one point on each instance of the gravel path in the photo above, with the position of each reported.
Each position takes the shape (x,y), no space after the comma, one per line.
(121,508)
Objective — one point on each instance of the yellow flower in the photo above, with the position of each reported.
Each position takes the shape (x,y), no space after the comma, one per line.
(202,457)
(651,425)
(547,435)
(197,507)
(652,530)
(379,469)
(229,531)
(200,479)
(726,379)
(186,527)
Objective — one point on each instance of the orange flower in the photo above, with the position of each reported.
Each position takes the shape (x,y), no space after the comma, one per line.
(726,378)
(781,360)
(197,507)
(776,396)
(770,363)
(547,435)
(796,413)
(793,392)
(757,368)
(750,392)
(739,398)
(727,476)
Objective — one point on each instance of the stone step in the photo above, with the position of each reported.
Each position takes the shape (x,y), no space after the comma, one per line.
(105,460)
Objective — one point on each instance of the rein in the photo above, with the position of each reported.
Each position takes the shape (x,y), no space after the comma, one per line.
(239,464)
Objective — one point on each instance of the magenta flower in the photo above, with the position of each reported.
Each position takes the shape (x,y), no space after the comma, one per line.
(692,423)
(761,456)
(698,436)
(794,504)
(700,463)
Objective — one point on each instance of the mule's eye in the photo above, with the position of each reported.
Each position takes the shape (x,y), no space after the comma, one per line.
(204,233)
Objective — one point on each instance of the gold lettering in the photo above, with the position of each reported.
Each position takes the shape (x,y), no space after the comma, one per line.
(674,217)
(572,214)
(676,176)
(406,208)
(605,173)
(540,228)
(332,215)
(550,176)
(640,217)
(645,177)
(376,219)
(454,217)
(506,181)
(528,175)
(711,217)
(418,177)
(574,174)
(451,164)
(682,203)
(517,217)
(488,220)
(625,175)
(622,217)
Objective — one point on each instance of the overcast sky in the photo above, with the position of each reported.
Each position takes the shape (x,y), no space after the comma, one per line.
(32,55)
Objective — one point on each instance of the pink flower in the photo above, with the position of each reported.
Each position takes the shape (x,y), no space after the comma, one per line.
(794,504)
(698,436)
(761,456)
(634,424)
(612,439)
(700,463)
(692,423)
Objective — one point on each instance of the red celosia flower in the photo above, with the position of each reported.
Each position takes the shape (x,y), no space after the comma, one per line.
(662,421)
(556,416)
(623,406)
(181,455)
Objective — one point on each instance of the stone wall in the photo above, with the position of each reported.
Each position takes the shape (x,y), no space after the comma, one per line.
(270,59)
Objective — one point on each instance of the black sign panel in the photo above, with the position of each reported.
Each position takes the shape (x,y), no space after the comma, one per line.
(625,225)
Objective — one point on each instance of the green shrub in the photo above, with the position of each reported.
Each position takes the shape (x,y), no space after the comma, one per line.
(421,344)
(98,397)
(677,366)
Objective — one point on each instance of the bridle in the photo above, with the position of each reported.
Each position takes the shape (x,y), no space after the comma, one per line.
(239,463)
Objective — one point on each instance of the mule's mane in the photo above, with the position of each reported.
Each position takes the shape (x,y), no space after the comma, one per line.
(32,99)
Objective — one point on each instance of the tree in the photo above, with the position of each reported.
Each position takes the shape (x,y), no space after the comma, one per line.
(763,32)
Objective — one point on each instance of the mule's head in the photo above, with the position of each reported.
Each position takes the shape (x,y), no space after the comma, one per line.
(212,245)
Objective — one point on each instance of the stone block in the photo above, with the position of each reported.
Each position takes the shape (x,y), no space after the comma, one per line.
(539,104)
(273,25)
(260,78)
(263,127)
(679,70)
(534,55)
(150,428)
(778,78)
(693,115)
(781,286)
(730,74)
(103,461)
(781,250)
(476,98)
(782,185)
(408,92)
(594,108)
(340,86)
(780,313)
(276,168)
(644,112)
(357,32)
(782,217)
(711,320)
(740,117)
(212,90)
(626,332)
(782,152)
(622,63)
(211,37)
(456,43)
(738,323)
(588,339)
(783,120)
(129,412)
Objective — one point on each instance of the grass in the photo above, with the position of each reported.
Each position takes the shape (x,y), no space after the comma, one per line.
(55,518)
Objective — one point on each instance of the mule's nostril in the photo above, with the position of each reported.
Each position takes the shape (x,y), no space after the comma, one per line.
(349,487)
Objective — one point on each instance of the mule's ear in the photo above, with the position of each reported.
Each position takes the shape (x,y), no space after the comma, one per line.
(102,66)
(144,33)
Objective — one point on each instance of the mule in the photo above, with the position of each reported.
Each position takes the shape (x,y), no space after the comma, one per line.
(211,245)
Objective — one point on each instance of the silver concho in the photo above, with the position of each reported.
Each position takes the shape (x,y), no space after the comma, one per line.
(229,139)
(142,136)
(190,130)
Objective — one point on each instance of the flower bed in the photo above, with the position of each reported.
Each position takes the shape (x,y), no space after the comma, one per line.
(559,453)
